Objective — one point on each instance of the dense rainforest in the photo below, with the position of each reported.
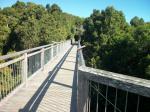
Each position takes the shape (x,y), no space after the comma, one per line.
(115,45)
(27,25)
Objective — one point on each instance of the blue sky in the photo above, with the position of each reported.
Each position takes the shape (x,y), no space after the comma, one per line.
(84,8)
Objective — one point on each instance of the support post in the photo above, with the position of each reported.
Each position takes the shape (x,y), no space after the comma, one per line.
(25,69)
(82,92)
(106,99)
(57,50)
(42,59)
(52,47)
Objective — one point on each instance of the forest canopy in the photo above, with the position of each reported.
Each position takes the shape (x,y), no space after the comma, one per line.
(116,45)
(27,25)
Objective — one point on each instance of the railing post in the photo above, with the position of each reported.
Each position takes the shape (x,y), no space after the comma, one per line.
(25,69)
(52,51)
(42,58)
(63,46)
(57,49)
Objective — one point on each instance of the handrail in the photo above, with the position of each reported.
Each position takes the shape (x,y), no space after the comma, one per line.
(120,81)
(88,77)
(91,73)
(15,72)
(4,57)
(80,56)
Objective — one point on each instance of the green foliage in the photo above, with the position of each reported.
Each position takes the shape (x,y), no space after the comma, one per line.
(136,21)
(116,46)
(4,31)
(26,25)
(53,9)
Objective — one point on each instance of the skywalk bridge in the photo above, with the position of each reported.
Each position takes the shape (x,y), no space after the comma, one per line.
(54,78)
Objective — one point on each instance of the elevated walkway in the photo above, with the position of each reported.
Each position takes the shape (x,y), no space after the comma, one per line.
(51,90)
(54,78)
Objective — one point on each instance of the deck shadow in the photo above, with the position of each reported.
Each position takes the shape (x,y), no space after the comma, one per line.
(66,69)
(61,84)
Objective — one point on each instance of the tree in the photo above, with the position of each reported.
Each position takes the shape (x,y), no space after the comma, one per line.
(136,21)
(4,31)
(116,46)
(54,8)
(26,25)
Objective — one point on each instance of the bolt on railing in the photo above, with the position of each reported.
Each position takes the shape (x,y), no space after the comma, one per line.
(17,68)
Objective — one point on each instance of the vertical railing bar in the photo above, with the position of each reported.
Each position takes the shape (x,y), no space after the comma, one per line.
(138,102)
(25,68)
(42,58)
(5,84)
(13,71)
(16,68)
(106,99)
(12,78)
(116,99)
(7,80)
(21,71)
(32,65)
(97,98)
(14,74)
(52,52)
(56,49)
(1,86)
(18,72)
(29,61)
(86,103)
(89,96)
(126,103)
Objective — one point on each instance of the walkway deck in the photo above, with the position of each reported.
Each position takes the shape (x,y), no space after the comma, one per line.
(53,90)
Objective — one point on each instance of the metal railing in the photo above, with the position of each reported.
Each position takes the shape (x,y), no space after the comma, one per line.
(103,91)
(17,68)
(80,56)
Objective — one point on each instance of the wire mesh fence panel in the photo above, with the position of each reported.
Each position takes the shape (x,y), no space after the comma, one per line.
(105,98)
(59,48)
(54,50)
(34,64)
(10,78)
(47,56)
